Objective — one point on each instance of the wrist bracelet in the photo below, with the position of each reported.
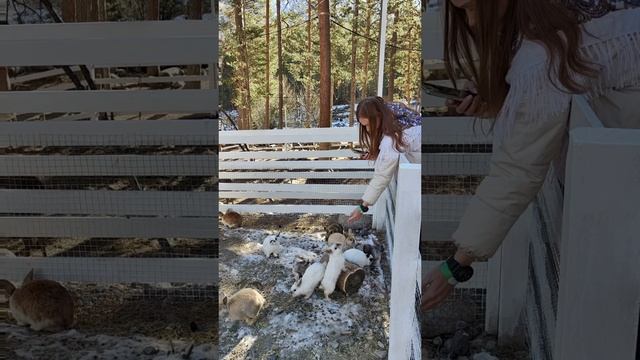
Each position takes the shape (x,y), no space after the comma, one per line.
(363,209)
(446,272)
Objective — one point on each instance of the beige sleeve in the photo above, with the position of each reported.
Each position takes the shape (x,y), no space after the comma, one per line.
(385,167)
(518,168)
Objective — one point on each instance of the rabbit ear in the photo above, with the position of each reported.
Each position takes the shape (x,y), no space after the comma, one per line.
(28,278)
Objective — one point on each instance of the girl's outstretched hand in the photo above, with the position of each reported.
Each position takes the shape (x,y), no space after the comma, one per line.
(435,289)
(355,216)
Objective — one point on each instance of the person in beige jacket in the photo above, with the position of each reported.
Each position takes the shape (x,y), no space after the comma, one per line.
(534,56)
(387,129)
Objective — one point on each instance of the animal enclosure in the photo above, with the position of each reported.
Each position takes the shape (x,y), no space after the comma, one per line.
(301,186)
(111,191)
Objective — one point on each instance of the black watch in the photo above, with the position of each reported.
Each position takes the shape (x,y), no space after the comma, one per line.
(460,272)
(363,208)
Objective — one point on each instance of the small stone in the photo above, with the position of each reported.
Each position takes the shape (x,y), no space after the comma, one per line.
(150,350)
(484,356)
(381,354)
(334,345)
(380,345)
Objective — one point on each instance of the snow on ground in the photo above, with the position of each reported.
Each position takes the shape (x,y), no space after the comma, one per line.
(353,327)
(72,344)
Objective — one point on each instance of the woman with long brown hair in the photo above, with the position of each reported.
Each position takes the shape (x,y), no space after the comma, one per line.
(387,129)
(525,60)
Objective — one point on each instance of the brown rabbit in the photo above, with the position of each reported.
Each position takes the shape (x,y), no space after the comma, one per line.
(232,219)
(245,305)
(332,229)
(41,304)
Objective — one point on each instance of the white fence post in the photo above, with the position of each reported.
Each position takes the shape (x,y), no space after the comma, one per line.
(599,296)
(404,338)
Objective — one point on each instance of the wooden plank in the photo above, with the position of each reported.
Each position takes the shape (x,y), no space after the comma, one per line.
(290,209)
(41,75)
(295,175)
(109,43)
(478,281)
(301,164)
(444,207)
(108,165)
(105,202)
(406,267)
(598,310)
(112,270)
(109,133)
(285,136)
(288,195)
(125,101)
(104,227)
(455,130)
(286,154)
(150,79)
(455,164)
(317,188)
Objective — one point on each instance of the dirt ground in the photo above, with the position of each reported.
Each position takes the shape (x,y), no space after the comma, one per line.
(346,327)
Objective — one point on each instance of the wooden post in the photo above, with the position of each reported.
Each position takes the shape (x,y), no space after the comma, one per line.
(404,332)
(195,13)
(5,85)
(599,296)
(69,11)
(153,14)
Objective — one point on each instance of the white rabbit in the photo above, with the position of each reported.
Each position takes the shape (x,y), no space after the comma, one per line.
(357,257)
(271,246)
(310,280)
(333,270)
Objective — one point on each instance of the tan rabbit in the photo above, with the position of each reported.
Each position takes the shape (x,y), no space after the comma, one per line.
(245,305)
(337,238)
(232,219)
(41,304)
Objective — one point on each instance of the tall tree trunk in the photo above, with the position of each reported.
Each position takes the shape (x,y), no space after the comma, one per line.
(267,73)
(325,64)
(280,69)
(195,13)
(244,65)
(153,13)
(5,85)
(69,10)
(354,46)
(367,45)
(308,85)
(392,58)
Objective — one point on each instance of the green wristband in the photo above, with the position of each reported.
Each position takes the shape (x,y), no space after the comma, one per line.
(446,272)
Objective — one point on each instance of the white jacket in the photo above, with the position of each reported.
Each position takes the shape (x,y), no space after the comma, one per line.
(533,125)
(386,164)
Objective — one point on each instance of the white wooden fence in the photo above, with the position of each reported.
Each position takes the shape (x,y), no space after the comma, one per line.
(110,214)
(397,211)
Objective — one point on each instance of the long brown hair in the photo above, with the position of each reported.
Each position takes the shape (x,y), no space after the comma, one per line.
(550,22)
(382,121)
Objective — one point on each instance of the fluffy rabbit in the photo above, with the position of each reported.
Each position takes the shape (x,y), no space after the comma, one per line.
(299,267)
(310,280)
(232,219)
(358,257)
(41,304)
(337,238)
(245,305)
(271,246)
(331,229)
(333,270)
